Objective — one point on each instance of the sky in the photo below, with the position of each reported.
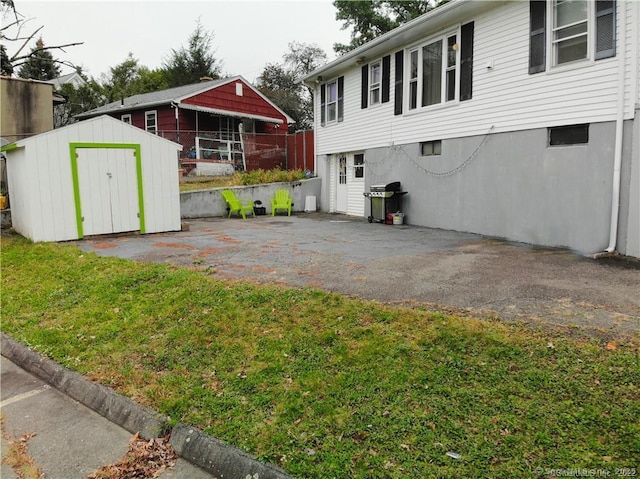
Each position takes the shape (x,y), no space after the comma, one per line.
(248,34)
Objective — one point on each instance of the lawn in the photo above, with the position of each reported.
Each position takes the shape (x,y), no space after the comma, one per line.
(324,385)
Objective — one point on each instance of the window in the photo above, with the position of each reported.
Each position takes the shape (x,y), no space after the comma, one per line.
(126,119)
(376,82)
(579,30)
(151,121)
(375,75)
(568,135)
(569,32)
(342,170)
(332,101)
(431,148)
(358,165)
(441,70)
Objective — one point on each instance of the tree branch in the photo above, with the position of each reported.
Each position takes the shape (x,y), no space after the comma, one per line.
(36,50)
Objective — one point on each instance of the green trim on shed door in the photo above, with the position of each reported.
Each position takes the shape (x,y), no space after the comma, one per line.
(76,183)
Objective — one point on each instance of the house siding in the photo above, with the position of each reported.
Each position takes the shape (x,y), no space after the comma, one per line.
(505,98)
(224,97)
(497,175)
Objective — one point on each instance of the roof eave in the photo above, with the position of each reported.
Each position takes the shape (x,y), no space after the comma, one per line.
(399,37)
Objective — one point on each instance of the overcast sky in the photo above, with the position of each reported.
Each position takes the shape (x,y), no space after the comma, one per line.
(248,33)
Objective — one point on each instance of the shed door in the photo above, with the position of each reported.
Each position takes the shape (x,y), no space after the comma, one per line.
(108,190)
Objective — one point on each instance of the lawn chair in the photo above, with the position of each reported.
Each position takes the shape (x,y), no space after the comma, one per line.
(281,201)
(235,205)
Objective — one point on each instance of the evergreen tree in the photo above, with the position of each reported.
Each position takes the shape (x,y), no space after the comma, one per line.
(40,65)
(188,65)
(6,68)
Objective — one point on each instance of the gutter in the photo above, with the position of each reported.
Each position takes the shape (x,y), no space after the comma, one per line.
(617,160)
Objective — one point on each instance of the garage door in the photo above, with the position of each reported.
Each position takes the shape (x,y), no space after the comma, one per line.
(108,190)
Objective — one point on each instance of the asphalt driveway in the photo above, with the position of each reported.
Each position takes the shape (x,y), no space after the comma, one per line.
(405,264)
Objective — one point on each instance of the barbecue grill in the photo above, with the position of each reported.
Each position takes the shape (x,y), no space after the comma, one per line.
(385,199)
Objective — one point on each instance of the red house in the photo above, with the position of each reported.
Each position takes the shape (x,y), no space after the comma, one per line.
(226,119)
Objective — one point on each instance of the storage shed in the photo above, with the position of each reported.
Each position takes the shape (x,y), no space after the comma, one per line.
(98,176)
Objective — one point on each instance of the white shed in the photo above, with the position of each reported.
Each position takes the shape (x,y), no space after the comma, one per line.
(98,176)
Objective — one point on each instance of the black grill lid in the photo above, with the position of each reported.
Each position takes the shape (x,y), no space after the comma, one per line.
(393,186)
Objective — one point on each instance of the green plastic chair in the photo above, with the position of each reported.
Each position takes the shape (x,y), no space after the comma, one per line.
(281,201)
(235,205)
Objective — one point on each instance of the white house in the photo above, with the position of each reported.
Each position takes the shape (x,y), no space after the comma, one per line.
(513,119)
(98,176)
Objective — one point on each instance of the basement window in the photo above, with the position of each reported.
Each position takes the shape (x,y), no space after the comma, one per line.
(569,135)
(431,148)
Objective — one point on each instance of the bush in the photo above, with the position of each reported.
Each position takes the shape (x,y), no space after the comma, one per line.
(257,177)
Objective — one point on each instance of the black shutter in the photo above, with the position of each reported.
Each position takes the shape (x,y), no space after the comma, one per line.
(340,98)
(466,61)
(537,35)
(365,86)
(323,104)
(397,107)
(605,29)
(386,77)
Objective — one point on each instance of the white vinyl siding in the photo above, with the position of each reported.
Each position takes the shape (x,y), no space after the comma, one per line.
(505,97)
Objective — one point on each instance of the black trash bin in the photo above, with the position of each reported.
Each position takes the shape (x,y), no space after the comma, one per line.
(385,199)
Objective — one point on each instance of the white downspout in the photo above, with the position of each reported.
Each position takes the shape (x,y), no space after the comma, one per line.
(617,160)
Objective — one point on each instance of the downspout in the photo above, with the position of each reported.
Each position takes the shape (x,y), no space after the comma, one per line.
(617,160)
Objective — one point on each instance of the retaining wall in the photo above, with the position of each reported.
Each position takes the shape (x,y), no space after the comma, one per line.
(208,203)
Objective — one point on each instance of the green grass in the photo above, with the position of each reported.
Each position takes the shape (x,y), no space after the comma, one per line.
(323,385)
(254,177)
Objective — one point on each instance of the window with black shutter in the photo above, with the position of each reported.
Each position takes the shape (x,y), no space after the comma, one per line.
(341,99)
(466,61)
(397,107)
(365,87)
(537,35)
(386,77)
(605,29)
(571,31)
(323,104)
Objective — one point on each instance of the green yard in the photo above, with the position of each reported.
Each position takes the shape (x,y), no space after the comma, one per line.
(323,385)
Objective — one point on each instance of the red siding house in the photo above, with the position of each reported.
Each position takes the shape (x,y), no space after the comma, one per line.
(206,118)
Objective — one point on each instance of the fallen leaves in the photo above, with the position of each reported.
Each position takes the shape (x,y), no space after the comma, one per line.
(17,458)
(144,459)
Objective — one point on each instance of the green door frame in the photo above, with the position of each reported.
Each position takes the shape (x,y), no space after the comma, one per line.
(73,147)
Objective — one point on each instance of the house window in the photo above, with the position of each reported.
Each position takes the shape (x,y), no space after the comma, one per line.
(431,148)
(578,30)
(332,101)
(568,135)
(570,31)
(342,170)
(238,89)
(151,121)
(126,119)
(375,75)
(433,74)
(358,165)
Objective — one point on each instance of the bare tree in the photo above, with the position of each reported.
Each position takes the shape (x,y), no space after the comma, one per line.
(14,29)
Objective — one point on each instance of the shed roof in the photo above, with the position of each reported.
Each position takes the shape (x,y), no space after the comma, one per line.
(105,119)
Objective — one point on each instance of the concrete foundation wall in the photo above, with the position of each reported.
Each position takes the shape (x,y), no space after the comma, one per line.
(510,185)
(209,203)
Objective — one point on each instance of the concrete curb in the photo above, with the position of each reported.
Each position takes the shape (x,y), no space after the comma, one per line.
(118,409)
(194,446)
(220,459)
